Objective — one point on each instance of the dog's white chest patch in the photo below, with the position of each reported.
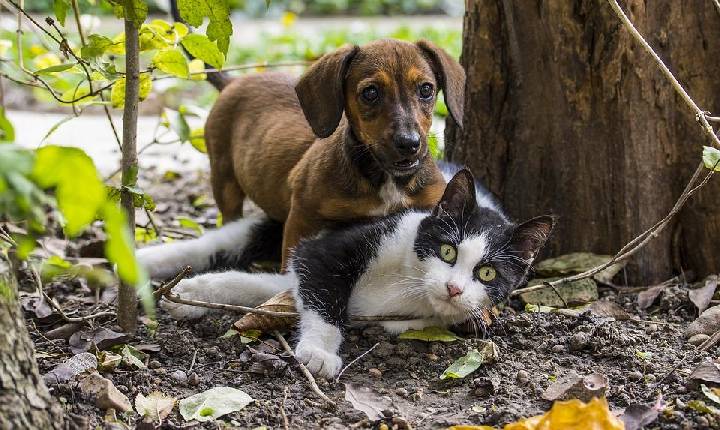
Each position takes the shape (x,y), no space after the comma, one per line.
(393,198)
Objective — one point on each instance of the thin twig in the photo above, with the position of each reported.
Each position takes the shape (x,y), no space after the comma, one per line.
(304,370)
(286,423)
(76,12)
(233,308)
(241,67)
(163,290)
(358,358)
(56,306)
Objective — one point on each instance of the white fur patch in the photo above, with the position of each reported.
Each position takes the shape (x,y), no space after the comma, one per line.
(393,198)
(231,288)
(163,261)
(319,344)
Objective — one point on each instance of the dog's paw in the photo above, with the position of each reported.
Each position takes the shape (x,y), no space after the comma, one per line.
(190,289)
(318,361)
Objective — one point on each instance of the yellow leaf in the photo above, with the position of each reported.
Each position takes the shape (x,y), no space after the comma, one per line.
(37,50)
(196,68)
(46,60)
(288,19)
(571,415)
(118,45)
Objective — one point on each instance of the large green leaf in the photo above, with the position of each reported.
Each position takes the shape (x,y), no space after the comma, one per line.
(201,47)
(7,131)
(219,28)
(96,46)
(172,61)
(60,8)
(711,158)
(79,191)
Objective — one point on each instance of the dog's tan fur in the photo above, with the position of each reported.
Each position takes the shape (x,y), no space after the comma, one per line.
(262,137)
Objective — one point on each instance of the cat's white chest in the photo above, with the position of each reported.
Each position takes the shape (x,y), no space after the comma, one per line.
(393,198)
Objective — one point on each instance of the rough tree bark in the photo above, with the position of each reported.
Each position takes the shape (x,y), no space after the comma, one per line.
(25,402)
(565,113)
(127,296)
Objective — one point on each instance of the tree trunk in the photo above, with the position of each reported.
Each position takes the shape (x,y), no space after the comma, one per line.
(127,296)
(25,402)
(565,113)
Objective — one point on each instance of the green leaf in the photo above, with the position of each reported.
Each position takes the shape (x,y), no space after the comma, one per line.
(96,46)
(172,61)
(131,357)
(219,28)
(132,10)
(117,94)
(711,158)
(55,69)
(7,131)
(60,8)
(213,403)
(470,362)
(79,190)
(434,147)
(175,121)
(201,47)
(430,334)
(197,139)
(191,224)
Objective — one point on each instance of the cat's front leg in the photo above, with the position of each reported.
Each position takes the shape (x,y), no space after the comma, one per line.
(319,344)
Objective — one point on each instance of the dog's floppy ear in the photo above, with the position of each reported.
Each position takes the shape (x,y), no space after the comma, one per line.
(320,90)
(450,76)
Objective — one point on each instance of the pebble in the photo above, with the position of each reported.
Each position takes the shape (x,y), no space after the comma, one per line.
(651,328)
(578,341)
(703,422)
(522,377)
(154,364)
(194,379)
(432,357)
(402,392)
(375,373)
(417,395)
(558,348)
(385,349)
(179,376)
(635,375)
(698,339)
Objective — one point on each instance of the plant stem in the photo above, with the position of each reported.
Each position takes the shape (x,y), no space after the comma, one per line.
(127,296)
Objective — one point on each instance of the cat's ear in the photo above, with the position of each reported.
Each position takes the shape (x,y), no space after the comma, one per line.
(530,236)
(459,196)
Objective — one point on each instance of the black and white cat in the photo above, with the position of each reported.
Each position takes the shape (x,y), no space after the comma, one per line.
(441,267)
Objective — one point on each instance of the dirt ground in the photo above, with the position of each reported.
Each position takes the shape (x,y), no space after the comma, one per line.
(535,349)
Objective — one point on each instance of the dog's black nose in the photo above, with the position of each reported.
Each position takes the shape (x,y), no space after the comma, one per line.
(407,143)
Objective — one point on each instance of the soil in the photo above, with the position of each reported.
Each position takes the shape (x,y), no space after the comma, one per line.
(535,349)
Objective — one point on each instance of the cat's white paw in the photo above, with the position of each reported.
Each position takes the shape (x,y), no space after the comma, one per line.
(191,289)
(397,327)
(318,361)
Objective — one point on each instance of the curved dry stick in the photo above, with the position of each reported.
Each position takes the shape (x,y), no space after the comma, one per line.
(305,371)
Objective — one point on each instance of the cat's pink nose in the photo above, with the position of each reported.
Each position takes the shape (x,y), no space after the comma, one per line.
(453,289)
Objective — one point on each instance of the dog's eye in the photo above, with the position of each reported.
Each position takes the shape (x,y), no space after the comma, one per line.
(370,93)
(426,90)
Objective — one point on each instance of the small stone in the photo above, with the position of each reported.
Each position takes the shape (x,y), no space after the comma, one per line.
(432,357)
(194,379)
(417,395)
(384,349)
(703,422)
(635,375)
(578,341)
(154,364)
(375,373)
(651,328)
(213,352)
(522,377)
(180,376)
(650,378)
(698,339)
(104,393)
(402,392)
(558,348)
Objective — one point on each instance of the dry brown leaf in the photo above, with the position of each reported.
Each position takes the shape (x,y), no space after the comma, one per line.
(282,302)
(706,371)
(574,386)
(637,417)
(365,400)
(608,309)
(156,406)
(572,415)
(702,296)
(647,298)
(707,323)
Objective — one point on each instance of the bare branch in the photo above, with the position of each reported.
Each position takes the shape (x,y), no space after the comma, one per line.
(304,370)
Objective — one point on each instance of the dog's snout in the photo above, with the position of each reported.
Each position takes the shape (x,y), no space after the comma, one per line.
(407,143)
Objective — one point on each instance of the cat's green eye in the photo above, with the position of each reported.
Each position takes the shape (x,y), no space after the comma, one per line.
(486,273)
(448,253)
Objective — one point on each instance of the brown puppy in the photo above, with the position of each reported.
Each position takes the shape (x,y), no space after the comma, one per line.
(345,142)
